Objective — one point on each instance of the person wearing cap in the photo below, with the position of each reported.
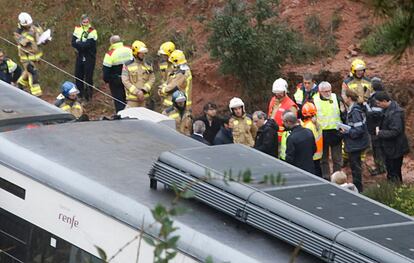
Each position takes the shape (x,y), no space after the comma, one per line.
(84,42)
(211,121)
(113,62)
(9,70)
(180,113)
(138,76)
(68,99)
(244,131)
(280,103)
(166,67)
(28,40)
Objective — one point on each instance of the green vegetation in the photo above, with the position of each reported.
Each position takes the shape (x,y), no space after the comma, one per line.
(253,46)
(397,33)
(399,197)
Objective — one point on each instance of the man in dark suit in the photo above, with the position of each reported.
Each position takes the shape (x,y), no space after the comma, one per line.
(198,130)
(300,145)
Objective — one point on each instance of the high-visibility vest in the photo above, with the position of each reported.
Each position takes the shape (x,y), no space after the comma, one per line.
(276,114)
(299,93)
(317,133)
(118,54)
(328,113)
(84,33)
(283,145)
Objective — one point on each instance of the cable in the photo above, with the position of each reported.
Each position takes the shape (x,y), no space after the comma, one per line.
(64,71)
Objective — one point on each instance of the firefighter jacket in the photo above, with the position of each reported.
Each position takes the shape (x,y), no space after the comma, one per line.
(362,87)
(183,119)
(9,71)
(316,129)
(180,79)
(276,110)
(244,132)
(137,75)
(166,69)
(114,59)
(71,106)
(84,41)
(26,39)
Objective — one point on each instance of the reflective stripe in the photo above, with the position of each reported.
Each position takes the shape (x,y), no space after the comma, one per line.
(118,54)
(27,58)
(167,102)
(298,96)
(188,88)
(11,65)
(147,85)
(174,115)
(356,124)
(317,133)
(376,109)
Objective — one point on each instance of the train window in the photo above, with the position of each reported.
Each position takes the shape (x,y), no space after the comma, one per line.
(12,188)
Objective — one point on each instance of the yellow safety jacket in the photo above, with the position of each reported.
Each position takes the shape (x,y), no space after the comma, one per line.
(84,33)
(317,133)
(180,79)
(328,112)
(183,122)
(283,145)
(137,75)
(73,107)
(244,131)
(362,87)
(26,39)
(118,54)
(166,69)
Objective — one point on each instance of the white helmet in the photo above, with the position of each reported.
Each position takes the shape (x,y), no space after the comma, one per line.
(236,102)
(280,85)
(25,19)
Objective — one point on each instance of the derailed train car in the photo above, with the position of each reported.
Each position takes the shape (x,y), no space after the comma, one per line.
(65,189)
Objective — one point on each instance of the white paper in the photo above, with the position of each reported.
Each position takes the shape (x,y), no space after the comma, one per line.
(44,37)
(53,242)
(343,126)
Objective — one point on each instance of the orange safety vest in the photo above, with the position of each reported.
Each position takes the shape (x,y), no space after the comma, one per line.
(317,133)
(285,104)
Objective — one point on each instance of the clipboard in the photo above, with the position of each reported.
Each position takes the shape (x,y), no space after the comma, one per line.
(345,127)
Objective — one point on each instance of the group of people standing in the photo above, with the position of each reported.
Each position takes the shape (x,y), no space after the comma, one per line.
(307,131)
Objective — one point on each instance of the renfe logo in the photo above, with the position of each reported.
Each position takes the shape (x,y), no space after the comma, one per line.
(69,220)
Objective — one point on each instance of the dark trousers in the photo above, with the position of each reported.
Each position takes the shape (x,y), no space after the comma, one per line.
(118,92)
(355,161)
(84,68)
(318,169)
(394,169)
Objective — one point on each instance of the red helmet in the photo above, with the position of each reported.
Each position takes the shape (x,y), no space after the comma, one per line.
(309,109)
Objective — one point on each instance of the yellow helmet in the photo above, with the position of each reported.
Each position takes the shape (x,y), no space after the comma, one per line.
(166,48)
(139,47)
(357,64)
(177,57)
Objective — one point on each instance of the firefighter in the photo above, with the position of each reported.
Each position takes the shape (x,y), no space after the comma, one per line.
(180,113)
(27,37)
(68,100)
(244,131)
(357,81)
(114,59)
(166,67)
(9,70)
(179,79)
(138,76)
(84,41)
(280,103)
(309,121)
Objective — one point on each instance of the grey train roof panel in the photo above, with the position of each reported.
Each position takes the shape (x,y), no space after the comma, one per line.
(327,220)
(19,107)
(113,158)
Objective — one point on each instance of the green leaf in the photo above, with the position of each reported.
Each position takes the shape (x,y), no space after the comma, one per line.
(149,240)
(102,253)
(209,259)
(188,194)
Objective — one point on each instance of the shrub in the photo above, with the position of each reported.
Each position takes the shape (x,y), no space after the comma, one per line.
(251,47)
(399,197)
